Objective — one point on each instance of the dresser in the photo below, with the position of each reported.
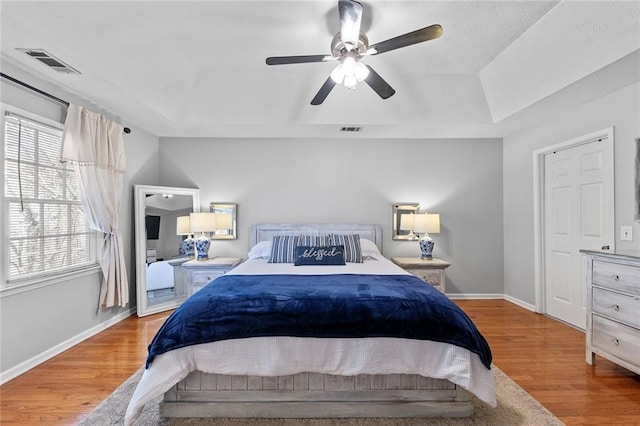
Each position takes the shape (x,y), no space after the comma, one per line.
(430,271)
(613,308)
(202,272)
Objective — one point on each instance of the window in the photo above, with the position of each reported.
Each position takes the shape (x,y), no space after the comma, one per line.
(46,232)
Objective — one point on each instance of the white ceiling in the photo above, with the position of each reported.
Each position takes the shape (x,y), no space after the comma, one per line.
(196,68)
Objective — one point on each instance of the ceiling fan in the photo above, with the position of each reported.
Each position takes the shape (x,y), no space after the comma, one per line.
(349,46)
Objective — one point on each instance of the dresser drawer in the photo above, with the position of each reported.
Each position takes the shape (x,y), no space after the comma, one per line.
(616,276)
(619,340)
(205,277)
(620,307)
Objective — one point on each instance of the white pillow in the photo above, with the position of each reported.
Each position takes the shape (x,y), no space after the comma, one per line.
(260,250)
(369,249)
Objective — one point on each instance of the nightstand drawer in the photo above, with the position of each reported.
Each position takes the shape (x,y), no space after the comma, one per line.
(617,339)
(205,277)
(202,272)
(620,307)
(433,278)
(430,271)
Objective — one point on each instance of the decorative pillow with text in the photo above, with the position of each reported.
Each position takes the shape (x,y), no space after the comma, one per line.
(319,255)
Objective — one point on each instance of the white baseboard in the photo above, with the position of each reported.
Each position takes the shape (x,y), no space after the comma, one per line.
(471,296)
(488,296)
(520,303)
(23,367)
(27,365)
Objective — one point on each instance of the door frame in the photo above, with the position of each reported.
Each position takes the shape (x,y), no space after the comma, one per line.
(539,207)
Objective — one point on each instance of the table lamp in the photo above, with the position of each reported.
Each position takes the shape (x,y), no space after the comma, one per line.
(407,224)
(224,222)
(202,223)
(426,223)
(183,227)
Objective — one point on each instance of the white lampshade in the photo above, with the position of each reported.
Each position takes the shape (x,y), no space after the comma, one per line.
(202,222)
(183,225)
(406,222)
(224,221)
(428,223)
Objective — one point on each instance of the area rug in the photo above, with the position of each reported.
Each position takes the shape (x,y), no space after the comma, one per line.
(515,407)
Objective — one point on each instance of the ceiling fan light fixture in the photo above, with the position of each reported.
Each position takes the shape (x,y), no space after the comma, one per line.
(350,72)
(349,46)
(350,81)
(337,75)
(361,71)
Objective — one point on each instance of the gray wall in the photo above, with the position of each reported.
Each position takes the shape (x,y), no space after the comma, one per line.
(621,110)
(38,320)
(356,180)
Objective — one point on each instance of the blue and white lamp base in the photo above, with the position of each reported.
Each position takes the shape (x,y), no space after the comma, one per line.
(426,246)
(202,247)
(187,247)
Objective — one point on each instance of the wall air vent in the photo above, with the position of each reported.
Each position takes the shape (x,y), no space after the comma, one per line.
(49,60)
(350,129)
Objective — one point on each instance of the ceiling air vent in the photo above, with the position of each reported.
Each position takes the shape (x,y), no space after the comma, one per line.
(49,60)
(350,129)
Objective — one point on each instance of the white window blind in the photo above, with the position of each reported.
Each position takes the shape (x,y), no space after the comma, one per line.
(45,226)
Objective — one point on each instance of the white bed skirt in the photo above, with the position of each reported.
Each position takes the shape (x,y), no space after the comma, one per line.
(278,356)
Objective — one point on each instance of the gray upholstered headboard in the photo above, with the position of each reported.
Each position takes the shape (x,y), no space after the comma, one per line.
(265,231)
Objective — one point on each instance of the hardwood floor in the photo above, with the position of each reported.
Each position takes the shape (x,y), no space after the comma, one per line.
(543,356)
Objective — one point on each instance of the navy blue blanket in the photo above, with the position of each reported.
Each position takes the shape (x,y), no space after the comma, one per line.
(344,305)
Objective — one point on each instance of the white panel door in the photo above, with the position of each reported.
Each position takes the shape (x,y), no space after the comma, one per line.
(578,201)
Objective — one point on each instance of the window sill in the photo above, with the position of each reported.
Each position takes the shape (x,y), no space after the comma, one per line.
(36,283)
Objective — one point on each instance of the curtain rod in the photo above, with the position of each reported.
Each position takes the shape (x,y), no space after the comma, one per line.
(43,93)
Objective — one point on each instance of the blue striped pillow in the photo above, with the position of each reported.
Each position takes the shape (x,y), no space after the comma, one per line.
(351,243)
(314,240)
(283,249)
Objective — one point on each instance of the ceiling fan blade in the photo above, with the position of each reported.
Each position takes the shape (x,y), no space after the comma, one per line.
(323,92)
(378,84)
(283,60)
(417,36)
(350,19)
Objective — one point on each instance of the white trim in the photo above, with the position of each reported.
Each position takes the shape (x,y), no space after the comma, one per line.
(538,206)
(27,365)
(492,296)
(40,282)
(40,279)
(476,296)
(23,367)
(521,303)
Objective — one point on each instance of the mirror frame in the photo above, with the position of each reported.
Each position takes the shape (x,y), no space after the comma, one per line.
(397,210)
(213,206)
(140,196)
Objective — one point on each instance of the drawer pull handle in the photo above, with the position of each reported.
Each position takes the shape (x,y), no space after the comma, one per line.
(615,307)
(615,277)
(615,342)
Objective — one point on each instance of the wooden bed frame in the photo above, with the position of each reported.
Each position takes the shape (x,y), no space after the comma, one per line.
(311,395)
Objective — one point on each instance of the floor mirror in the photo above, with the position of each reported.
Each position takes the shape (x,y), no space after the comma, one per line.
(161,282)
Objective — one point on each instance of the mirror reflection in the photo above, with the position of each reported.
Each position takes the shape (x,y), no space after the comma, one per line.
(160,249)
(402,221)
(225,220)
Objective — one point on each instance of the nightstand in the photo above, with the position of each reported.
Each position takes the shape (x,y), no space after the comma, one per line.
(202,272)
(430,271)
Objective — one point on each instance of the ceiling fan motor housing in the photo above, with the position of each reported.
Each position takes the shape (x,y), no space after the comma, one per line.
(338,49)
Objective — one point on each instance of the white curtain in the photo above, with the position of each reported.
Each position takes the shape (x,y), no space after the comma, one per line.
(95,146)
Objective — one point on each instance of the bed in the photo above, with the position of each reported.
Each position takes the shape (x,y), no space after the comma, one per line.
(327,365)
(159,275)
